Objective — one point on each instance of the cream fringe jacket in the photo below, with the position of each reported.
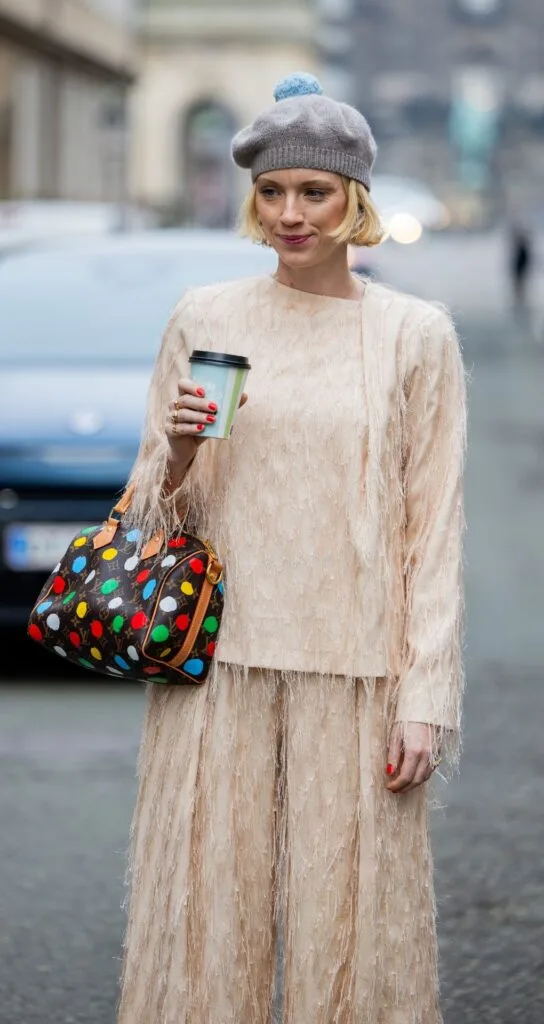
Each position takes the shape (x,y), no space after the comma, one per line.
(336,505)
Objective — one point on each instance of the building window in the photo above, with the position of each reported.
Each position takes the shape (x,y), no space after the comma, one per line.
(209,183)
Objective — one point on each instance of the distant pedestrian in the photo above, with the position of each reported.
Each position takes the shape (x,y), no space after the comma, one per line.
(521,261)
(282,805)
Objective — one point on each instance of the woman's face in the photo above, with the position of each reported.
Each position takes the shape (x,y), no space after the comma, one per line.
(298,210)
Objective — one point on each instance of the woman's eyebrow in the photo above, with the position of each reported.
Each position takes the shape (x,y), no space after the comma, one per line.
(312,182)
(317,182)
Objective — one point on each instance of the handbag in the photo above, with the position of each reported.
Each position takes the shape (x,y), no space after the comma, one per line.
(151,614)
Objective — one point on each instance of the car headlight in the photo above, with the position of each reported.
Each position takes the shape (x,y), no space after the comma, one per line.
(404,228)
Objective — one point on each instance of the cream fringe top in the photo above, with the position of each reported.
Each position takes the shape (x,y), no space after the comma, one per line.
(336,505)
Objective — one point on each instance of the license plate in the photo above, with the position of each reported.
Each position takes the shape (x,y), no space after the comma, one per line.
(37,546)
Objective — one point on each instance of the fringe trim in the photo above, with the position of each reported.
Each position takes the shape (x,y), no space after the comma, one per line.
(270,869)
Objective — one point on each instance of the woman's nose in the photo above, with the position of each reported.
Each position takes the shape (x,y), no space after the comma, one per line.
(291,213)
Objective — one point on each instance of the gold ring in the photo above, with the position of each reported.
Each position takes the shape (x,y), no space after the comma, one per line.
(435,762)
(177,405)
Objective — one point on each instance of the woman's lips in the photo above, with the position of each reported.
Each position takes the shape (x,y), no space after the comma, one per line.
(295,239)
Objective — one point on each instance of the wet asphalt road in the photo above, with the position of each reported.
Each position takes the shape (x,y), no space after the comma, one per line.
(68,754)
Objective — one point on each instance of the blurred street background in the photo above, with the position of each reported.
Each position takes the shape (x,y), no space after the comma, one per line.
(116,192)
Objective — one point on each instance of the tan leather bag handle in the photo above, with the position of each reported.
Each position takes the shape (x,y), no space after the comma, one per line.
(107,533)
(123,504)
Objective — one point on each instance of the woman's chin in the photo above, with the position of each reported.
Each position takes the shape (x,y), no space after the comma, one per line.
(298,259)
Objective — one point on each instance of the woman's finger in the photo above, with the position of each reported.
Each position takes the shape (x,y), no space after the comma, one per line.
(406,774)
(422,774)
(179,430)
(394,752)
(186,386)
(185,415)
(190,401)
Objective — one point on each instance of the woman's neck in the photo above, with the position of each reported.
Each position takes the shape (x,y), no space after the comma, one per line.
(332,277)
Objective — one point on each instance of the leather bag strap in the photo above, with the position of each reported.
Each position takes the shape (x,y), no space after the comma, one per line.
(124,501)
(107,533)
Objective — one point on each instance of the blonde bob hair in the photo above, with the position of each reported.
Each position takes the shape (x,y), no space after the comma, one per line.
(360,226)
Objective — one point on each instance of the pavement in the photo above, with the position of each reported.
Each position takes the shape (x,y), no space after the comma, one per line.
(68,748)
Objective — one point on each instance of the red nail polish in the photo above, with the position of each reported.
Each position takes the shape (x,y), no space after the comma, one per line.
(390,769)
(200,392)
(210,419)
(200,426)
(212,407)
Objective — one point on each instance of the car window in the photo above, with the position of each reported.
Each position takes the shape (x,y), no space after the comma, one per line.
(100,306)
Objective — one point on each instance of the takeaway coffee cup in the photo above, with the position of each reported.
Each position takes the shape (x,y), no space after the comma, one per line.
(223,378)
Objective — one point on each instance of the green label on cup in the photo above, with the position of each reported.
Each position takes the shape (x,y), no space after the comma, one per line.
(235,399)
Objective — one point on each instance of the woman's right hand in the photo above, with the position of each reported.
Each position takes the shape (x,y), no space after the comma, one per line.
(187,419)
(188,416)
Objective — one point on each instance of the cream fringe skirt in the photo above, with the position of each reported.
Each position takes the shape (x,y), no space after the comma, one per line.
(272,876)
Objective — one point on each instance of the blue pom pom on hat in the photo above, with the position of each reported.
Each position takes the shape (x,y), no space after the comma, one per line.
(306,129)
(300,83)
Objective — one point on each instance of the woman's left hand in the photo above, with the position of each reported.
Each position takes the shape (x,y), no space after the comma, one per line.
(412,755)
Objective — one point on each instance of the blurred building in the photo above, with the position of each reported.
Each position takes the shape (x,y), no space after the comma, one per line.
(65,69)
(207,67)
(454,89)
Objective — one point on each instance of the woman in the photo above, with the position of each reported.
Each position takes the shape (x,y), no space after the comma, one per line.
(280,834)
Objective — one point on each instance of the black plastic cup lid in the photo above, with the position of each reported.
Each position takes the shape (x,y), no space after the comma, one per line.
(220,359)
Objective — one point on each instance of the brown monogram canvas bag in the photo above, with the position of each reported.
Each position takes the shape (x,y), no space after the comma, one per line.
(148,613)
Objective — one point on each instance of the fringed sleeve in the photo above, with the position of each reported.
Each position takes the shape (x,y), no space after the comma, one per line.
(153,508)
(431,680)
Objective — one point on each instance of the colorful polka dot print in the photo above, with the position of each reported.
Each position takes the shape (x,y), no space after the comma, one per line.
(121,615)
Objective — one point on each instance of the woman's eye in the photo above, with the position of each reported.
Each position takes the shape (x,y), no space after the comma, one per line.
(316,193)
(268,193)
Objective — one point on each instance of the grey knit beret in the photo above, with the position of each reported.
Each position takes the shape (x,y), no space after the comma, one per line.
(306,129)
